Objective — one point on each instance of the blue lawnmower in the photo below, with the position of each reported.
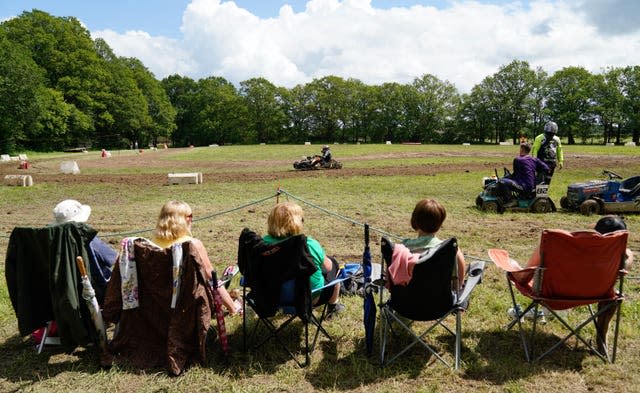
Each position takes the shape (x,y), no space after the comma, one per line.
(537,201)
(613,195)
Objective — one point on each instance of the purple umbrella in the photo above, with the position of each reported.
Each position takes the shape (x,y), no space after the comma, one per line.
(369,302)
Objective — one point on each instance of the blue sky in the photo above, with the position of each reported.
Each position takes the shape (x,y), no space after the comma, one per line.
(164,17)
(377,41)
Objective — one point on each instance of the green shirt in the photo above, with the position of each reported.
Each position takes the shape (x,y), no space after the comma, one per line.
(421,243)
(317,254)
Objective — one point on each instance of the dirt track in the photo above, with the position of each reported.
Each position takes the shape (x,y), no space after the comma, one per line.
(47,171)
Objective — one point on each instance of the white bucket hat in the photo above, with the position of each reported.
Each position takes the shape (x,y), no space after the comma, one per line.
(71,210)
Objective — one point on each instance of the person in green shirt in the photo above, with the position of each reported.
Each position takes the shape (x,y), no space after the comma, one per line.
(426,219)
(287,219)
(548,148)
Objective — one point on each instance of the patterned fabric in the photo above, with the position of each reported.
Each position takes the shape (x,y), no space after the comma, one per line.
(128,274)
(176,252)
(222,330)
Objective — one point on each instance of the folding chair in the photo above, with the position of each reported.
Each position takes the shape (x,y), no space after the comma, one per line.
(576,269)
(277,277)
(44,283)
(162,305)
(428,296)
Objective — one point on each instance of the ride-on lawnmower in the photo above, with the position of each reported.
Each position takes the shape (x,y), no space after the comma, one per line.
(537,201)
(316,162)
(613,195)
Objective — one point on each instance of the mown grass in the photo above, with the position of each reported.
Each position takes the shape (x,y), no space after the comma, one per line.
(492,357)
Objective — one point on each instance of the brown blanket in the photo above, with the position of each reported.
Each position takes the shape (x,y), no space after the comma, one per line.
(153,334)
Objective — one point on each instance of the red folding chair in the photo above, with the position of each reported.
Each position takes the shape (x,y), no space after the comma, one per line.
(576,269)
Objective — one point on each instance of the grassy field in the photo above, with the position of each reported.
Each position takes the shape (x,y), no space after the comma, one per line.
(379,184)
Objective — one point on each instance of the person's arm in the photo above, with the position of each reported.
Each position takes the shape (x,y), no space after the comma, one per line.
(541,166)
(559,154)
(461,268)
(327,265)
(204,258)
(629,261)
(536,146)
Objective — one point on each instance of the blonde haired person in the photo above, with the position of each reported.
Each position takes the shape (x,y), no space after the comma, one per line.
(174,226)
(287,219)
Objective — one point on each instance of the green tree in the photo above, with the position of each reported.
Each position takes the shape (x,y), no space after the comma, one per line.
(64,49)
(266,114)
(221,113)
(570,102)
(608,99)
(631,101)
(21,84)
(161,114)
(433,104)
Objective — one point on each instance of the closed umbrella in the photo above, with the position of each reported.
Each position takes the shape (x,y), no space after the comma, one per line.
(89,296)
(369,302)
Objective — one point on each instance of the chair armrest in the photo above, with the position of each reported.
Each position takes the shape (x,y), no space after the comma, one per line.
(330,284)
(474,277)
(502,260)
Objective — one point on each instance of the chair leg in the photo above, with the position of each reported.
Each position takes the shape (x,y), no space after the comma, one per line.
(244,318)
(44,337)
(458,338)
(518,321)
(616,330)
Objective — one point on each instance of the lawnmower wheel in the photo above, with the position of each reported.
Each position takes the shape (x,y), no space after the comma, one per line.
(589,207)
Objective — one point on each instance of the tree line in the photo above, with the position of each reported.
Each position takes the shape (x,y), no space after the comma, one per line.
(59,89)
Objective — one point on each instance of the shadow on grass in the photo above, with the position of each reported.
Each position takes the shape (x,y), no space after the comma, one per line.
(266,359)
(20,362)
(499,357)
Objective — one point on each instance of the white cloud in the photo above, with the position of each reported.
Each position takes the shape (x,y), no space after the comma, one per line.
(463,43)
(162,56)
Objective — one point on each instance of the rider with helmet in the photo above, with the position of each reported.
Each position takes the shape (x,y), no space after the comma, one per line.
(324,158)
(548,148)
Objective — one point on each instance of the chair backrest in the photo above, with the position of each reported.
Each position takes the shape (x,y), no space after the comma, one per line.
(267,267)
(580,265)
(153,333)
(44,283)
(428,295)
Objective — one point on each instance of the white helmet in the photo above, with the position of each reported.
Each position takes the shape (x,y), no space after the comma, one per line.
(551,127)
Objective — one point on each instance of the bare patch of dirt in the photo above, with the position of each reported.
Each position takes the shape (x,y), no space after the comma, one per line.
(47,171)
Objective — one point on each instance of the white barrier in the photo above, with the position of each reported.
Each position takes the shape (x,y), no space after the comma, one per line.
(5,157)
(307,143)
(506,143)
(630,144)
(18,180)
(185,178)
(388,142)
(610,144)
(22,157)
(68,167)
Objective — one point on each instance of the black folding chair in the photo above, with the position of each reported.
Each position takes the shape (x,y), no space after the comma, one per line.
(277,278)
(428,297)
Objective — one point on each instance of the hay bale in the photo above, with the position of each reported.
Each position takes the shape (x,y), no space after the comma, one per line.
(185,178)
(18,180)
(69,167)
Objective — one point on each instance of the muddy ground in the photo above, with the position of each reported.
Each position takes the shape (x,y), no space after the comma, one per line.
(48,171)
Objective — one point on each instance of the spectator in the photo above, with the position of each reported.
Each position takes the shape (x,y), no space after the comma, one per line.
(547,147)
(102,255)
(174,226)
(287,219)
(426,219)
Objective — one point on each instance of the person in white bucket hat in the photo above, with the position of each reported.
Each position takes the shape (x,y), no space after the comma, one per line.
(102,255)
